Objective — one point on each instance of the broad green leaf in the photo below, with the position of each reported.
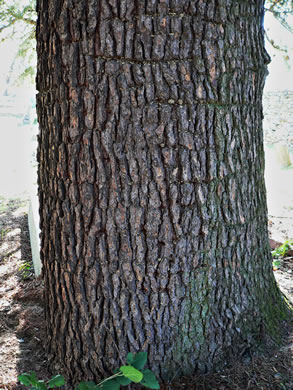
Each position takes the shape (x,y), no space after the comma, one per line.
(132,373)
(111,384)
(34,379)
(139,360)
(129,358)
(123,380)
(41,385)
(81,386)
(33,388)
(25,379)
(149,380)
(87,386)
(56,381)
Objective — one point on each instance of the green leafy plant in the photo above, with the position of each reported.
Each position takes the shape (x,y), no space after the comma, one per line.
(3,233)
(30,379)
(26,270)
(276,264)
(282,250)
(131,372)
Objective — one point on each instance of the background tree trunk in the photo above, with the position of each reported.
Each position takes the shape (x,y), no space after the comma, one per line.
(151,183)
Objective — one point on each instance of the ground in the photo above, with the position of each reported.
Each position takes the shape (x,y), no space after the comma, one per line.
(22,335)
(21,309)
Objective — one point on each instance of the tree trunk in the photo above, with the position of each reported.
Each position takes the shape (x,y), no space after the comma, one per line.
(151,183)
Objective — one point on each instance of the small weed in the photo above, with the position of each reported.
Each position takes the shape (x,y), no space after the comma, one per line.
(276,264)
(30,379)
(131,372)
(3,233)
(282,250)
(26,270)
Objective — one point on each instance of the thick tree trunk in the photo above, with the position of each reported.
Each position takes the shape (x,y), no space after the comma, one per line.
(151,182)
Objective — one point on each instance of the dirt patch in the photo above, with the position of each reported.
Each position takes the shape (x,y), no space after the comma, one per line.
(22,334)
(280,230)
(21,305)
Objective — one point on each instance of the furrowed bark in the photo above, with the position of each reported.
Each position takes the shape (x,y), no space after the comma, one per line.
(151,183)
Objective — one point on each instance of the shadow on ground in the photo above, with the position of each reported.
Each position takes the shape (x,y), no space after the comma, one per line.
(21,303)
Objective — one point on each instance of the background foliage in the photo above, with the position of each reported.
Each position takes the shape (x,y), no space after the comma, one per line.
(18,20)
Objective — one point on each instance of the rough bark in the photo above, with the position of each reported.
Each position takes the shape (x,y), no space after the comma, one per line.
(151,182)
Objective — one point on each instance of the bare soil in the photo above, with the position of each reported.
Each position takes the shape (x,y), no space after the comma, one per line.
(22,327)
(21,301)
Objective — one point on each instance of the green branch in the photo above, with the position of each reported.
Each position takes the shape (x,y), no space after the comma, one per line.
(11,23)
(29,21)
(272,42)
(20,16)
